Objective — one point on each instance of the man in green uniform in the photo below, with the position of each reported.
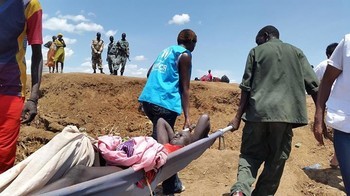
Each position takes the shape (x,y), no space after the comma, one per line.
(96,51)
(123,54)
(273,102)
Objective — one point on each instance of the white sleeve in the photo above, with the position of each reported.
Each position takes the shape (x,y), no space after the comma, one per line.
(336,60)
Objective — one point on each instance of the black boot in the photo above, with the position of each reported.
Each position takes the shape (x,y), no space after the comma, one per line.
(121,73)
(94,71)
(101,71)
(115,72)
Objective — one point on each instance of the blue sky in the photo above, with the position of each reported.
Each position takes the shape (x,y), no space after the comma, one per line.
(226,29)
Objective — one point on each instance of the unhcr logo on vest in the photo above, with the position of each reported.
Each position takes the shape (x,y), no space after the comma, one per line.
(160,67)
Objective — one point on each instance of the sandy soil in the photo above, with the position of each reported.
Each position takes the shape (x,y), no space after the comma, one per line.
(103,104)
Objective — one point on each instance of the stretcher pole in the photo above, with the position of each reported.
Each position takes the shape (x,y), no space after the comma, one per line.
(222,145)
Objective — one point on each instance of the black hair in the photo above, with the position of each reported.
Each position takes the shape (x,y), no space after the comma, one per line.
(270,30)
(186,36)
(330,48)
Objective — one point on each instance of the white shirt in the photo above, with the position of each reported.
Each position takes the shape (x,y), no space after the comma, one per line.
(338,104)
(320,69)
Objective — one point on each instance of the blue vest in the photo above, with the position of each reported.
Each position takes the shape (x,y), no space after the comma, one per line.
(162,87)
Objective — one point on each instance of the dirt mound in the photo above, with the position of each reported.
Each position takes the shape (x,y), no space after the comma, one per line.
(103,104)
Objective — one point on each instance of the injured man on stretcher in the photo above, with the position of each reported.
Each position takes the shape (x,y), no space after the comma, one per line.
(166,136)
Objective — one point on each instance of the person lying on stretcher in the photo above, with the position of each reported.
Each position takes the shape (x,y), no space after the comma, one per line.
(166,136)
(173,141)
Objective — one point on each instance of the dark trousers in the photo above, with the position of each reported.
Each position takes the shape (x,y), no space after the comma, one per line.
(263,142)
(342,150)
(154,112)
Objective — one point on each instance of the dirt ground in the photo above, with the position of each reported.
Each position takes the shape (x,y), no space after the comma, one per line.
(104,104)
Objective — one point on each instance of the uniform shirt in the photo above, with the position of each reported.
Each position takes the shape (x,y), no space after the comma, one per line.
(20,21)
(277,75)
(338,104)
(162,87)
(112,48)
(124,47)
(96,45)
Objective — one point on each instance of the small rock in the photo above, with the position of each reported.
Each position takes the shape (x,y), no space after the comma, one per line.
(297,145)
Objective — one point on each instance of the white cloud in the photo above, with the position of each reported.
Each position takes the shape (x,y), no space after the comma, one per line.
(56,24)
(140,58)
(69,40)
(28,62)
(91,14)
(45,16)
(86,64)
(44,52)
(110,33)
(88,27)
(180,19)
(71,24)
(134,71)
(47,38)
(68,52)
(75,18)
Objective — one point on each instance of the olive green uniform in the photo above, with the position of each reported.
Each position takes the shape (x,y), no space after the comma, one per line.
(277,75)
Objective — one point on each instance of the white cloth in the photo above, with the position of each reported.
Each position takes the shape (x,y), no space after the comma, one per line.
(338,104)
(320,69)
(49,163)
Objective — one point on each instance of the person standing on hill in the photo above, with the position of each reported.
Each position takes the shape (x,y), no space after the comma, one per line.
(123,54)
(334,91)
(96,51)
(23,21)
(112,55)
(273,102)
(50,62)
(166,92)
(319,70)
(210,77)
(59,55)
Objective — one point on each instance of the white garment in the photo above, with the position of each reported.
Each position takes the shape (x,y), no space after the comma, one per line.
(338,104)
(49,163)
(320,69)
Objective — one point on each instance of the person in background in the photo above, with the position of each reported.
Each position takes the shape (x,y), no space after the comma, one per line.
(319,70)
(23,22)
(207,77)
(210,77)
(321,67)
(112,55)
(96,51)
(273,102)
(334,91)
(51,54)
(166,92)
(123,54)
(59,54)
